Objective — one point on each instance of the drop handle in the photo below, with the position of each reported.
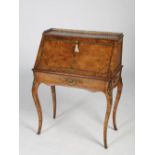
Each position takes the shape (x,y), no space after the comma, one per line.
(76,48)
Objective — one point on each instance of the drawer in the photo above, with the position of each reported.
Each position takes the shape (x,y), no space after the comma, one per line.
(69,81)
(74,56)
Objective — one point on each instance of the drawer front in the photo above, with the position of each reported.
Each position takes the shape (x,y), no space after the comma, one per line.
(75,56)
(90,84)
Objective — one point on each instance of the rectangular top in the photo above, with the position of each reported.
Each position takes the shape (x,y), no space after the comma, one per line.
(84,34)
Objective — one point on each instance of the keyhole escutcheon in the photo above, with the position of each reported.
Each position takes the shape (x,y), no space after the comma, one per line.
(76,49)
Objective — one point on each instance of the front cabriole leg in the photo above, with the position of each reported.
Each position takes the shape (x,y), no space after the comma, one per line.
(37,103)
(118,95)
(108,110)
(53,91)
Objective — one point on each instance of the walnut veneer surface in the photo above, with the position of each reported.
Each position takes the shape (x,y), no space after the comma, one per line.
(83,59)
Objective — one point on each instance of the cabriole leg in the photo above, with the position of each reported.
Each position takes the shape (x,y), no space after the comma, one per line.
(107,115)
(53,91)
(118,95)
(37,103)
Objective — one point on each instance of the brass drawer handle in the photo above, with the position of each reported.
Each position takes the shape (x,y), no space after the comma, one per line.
(76,49)
(71,82)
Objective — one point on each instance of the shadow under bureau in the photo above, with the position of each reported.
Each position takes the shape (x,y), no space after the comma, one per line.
(83,59)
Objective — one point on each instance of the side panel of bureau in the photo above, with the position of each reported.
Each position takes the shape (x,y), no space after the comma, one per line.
(116,60)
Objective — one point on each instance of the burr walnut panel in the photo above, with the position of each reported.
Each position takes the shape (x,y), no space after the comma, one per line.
(91,59)
(56,54)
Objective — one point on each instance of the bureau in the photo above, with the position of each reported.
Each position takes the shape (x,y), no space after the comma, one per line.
(83,59)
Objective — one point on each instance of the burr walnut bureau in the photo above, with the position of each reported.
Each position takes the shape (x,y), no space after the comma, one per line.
(83,59)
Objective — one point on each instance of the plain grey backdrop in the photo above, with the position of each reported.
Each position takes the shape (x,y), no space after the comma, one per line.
(80,114)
